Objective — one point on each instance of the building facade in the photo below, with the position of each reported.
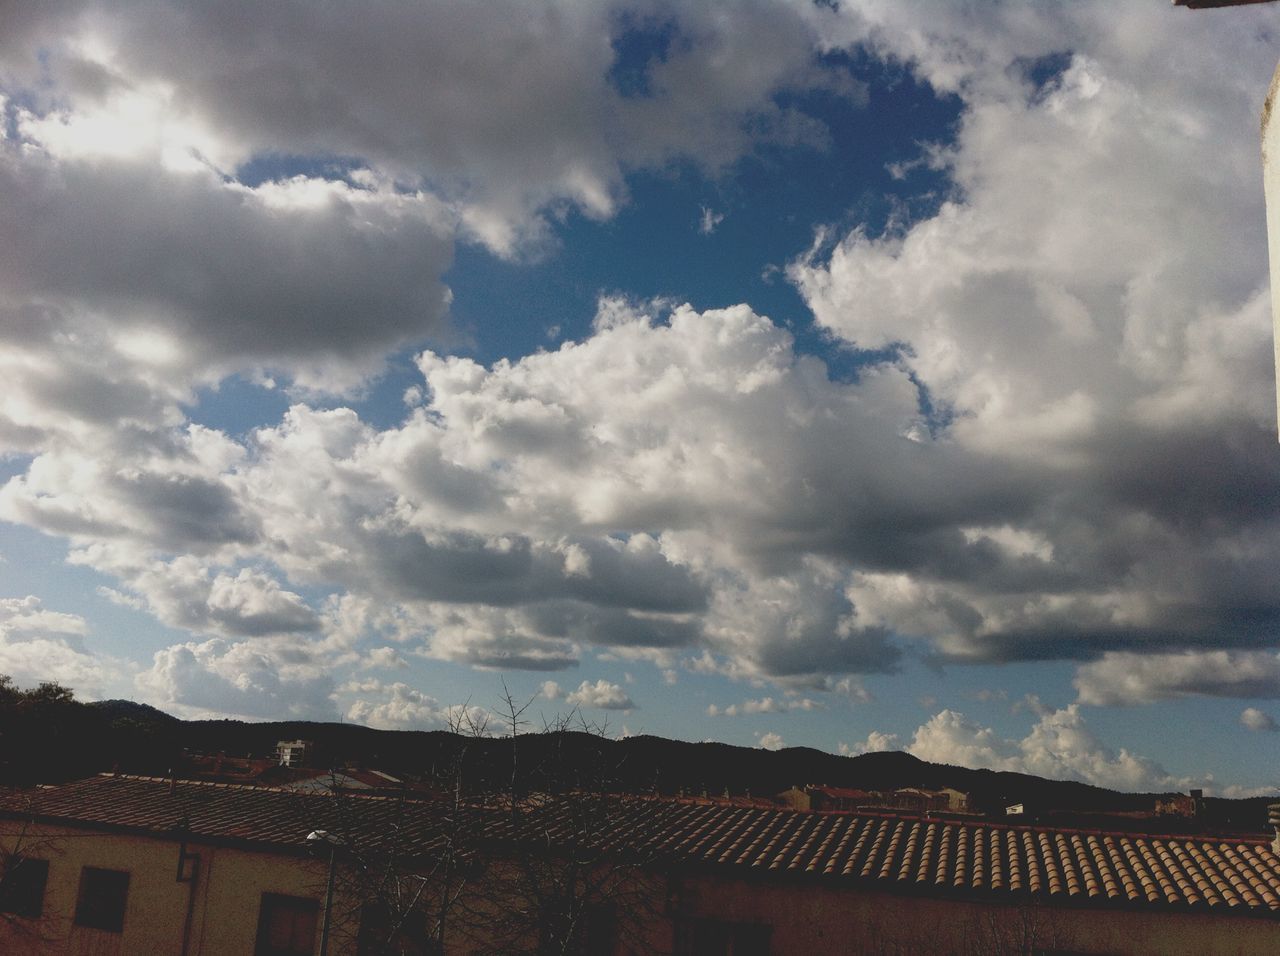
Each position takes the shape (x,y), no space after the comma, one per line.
(122,865)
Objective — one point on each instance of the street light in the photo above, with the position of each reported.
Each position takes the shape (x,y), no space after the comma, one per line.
(314,840)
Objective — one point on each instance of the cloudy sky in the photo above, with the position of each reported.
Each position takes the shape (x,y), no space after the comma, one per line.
(859,375)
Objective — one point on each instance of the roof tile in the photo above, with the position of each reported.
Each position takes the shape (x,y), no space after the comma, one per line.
(876,849)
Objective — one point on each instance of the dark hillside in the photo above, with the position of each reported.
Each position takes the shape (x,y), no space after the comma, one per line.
(48,736)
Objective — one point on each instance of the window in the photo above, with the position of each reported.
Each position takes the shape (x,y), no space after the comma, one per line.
(714,937)
(103,893)
(22,881)
(286,926)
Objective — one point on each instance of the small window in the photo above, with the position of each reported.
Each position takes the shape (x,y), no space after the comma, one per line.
(22,882)
(286,926)
(101,902)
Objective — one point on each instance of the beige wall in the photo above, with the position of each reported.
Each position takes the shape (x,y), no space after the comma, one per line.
(228,895)
(804,918)
(814,920)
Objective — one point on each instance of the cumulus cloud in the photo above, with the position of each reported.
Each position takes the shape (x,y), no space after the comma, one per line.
(386,658)
(1060,448)
(772,741)
(25,619)
(1251,718)
(401,708)
(1127,678)
(1124,401)
(765,705)
(183,593)
(318,279)
(601,694)
(876,742)
(504,518)
(254,679)
(528,125)
(38,644)
(1060,746)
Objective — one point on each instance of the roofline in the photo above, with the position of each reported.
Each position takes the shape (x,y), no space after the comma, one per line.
(675,869)
(174,835)
(930,816)
(666,862)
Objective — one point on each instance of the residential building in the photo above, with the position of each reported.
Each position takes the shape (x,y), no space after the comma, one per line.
(294,753)
(1180,805)
(124,865)
(823,797)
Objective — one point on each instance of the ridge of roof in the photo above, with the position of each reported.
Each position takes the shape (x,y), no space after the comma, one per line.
(251,786)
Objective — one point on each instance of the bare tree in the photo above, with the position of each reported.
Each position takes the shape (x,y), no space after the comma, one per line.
(566,885)
(522,860)
(407,865)
(24,870)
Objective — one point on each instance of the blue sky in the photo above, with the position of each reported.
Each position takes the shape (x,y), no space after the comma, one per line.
(854,376)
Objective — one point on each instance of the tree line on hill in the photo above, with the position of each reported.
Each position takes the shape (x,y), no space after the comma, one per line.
(47,735)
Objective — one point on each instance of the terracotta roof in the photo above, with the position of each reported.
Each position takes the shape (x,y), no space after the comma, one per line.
(878,851)
(841,793)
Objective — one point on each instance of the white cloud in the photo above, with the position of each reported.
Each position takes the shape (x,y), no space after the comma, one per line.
(551,690)
(1097,482)
(499,127)
(1127,678)
(765,705)
(708,221)
(1060,746)
(772,741)
(1251,718)
(400,707)
(853,690)
(37,645)
(476,524)
(24,619)
(601,694)
(1127,397)
(254,679)
(876,742)
(384,658)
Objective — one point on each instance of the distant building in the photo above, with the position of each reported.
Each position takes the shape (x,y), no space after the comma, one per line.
(1180,805)
(928,801)
(126,865)
(957,800)
(849,799)
(294,753)
(822,797)
(345,779)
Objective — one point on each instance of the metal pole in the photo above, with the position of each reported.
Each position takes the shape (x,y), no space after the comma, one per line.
(328,902)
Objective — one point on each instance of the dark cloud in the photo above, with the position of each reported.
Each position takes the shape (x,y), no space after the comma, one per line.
(506,570)
(613,627)
(226,278)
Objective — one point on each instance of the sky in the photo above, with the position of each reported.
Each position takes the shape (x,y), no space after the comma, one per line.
(857,375)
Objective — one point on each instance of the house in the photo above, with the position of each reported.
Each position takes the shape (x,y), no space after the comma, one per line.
(1180,805)
(121,865)
(957,800)
(294,753)
(928,801)
(823,797)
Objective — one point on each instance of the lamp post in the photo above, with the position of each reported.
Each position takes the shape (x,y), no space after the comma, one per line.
(314,839)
